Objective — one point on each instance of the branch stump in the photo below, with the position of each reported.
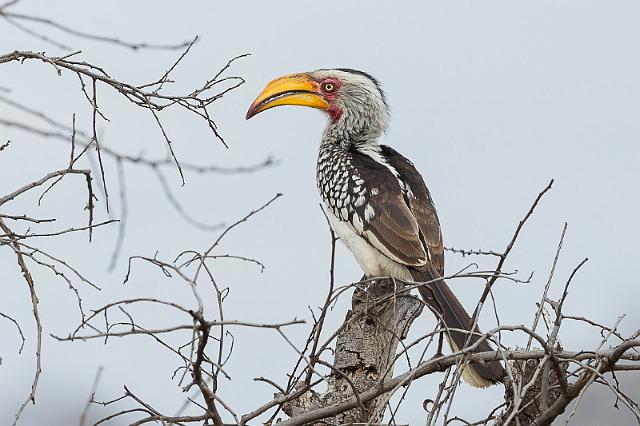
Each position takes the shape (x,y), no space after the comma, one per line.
(380,317)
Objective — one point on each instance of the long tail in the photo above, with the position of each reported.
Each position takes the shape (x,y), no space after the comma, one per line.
(439,296)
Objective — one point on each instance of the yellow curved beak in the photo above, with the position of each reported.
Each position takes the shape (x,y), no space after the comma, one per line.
(294,89)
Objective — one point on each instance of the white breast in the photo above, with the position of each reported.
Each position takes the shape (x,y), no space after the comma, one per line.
(372,262)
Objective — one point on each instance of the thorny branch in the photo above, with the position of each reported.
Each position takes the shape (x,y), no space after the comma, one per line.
(149,96)
(15,246)
(23,23)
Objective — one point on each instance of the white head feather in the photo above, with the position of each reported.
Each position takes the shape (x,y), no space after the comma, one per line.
(364,111)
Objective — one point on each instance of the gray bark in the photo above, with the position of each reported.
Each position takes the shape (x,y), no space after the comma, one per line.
(365,350)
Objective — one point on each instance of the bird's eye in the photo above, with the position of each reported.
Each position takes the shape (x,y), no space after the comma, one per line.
(328,87)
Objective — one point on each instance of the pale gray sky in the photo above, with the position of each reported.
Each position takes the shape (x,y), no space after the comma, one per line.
(489,99)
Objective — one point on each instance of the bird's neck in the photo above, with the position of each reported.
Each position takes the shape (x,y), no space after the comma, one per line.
(336,139)
(356,126)
(340,146)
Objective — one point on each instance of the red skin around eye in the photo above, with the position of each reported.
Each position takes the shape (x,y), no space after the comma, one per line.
(334,111)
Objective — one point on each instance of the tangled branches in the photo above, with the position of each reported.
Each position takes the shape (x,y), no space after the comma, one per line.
(148,96)
(204,370)
(358,360)
(357,372)
(19,231)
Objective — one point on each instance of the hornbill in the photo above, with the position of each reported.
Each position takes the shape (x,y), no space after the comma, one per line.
(377,202)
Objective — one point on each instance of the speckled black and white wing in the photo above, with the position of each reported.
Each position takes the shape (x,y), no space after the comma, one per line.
(383,198)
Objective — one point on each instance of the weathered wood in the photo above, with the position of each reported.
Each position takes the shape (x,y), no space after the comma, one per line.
(365,350)
(533,404)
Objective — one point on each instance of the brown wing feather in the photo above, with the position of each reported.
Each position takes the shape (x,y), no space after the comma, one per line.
(392,229)
(396,228)
(405,226)
(419,201)
(438,295)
